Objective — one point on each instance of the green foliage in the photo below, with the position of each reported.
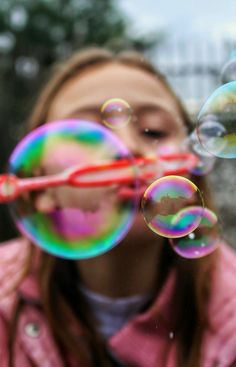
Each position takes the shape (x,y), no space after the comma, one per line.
(33,34)
(36,33)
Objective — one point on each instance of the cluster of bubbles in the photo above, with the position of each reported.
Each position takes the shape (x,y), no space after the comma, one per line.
(173,207)
(81,223)
(214,137)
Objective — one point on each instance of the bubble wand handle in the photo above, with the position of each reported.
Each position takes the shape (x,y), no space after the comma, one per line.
(11,186)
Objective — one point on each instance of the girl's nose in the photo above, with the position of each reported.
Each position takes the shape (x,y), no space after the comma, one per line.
(130,139)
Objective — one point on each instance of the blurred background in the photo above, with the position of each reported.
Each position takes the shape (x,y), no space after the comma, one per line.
(189,41)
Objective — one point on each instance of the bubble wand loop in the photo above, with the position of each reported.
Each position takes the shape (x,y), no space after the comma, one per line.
(11,186)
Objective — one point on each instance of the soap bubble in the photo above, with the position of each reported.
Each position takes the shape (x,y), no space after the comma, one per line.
(203,240)
(164,201)
(69,221)
(205,161)
(217,122)
(116,113)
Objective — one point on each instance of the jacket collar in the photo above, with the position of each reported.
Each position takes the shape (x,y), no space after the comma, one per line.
(144,340)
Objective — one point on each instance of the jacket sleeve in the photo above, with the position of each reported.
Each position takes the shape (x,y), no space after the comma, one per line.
(219,346)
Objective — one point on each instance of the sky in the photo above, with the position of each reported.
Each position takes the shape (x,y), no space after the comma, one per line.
(214,18)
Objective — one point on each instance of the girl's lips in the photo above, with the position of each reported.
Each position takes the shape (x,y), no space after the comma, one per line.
(126,192)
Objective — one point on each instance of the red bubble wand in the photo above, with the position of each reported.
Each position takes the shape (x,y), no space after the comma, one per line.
(121,172)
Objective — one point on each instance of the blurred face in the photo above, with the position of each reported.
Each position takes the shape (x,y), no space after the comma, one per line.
(156,120)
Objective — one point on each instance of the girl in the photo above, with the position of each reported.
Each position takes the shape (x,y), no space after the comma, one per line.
(138,304)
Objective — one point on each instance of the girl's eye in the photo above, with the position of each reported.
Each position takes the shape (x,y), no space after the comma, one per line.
(154,134)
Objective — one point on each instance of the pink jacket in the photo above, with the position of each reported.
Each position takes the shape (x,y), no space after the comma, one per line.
(143,342)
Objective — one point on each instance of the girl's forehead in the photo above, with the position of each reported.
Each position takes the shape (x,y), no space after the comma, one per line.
(98,84)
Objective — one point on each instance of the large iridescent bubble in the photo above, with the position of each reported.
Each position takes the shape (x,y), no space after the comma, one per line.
(203,240)
(217,122)
(71,222)
(163,203)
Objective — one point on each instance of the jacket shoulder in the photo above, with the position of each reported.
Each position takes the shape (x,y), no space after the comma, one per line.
(223,284)
(221,335)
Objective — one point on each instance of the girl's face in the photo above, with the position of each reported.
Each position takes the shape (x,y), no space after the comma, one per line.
(156,121)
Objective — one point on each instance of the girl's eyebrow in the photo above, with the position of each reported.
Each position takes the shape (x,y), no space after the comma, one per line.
(172,120)
(142,108)
(152,107)
(137,110)
(88,109)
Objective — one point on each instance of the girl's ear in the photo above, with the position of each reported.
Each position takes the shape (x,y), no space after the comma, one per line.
(45,203)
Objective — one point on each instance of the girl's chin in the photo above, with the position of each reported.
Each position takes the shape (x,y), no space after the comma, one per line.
(141,231)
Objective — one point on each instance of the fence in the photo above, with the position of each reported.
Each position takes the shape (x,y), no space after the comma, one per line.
(193,66)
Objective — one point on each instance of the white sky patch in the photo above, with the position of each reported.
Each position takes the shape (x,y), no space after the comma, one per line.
(227,30)
(143,18)
(208,17)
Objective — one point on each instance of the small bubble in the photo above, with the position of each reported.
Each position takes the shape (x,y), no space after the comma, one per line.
(203,240)
(171,335)
(116,113)
(167,206)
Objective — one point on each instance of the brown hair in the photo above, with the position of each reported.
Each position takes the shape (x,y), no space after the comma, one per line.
(59,278)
